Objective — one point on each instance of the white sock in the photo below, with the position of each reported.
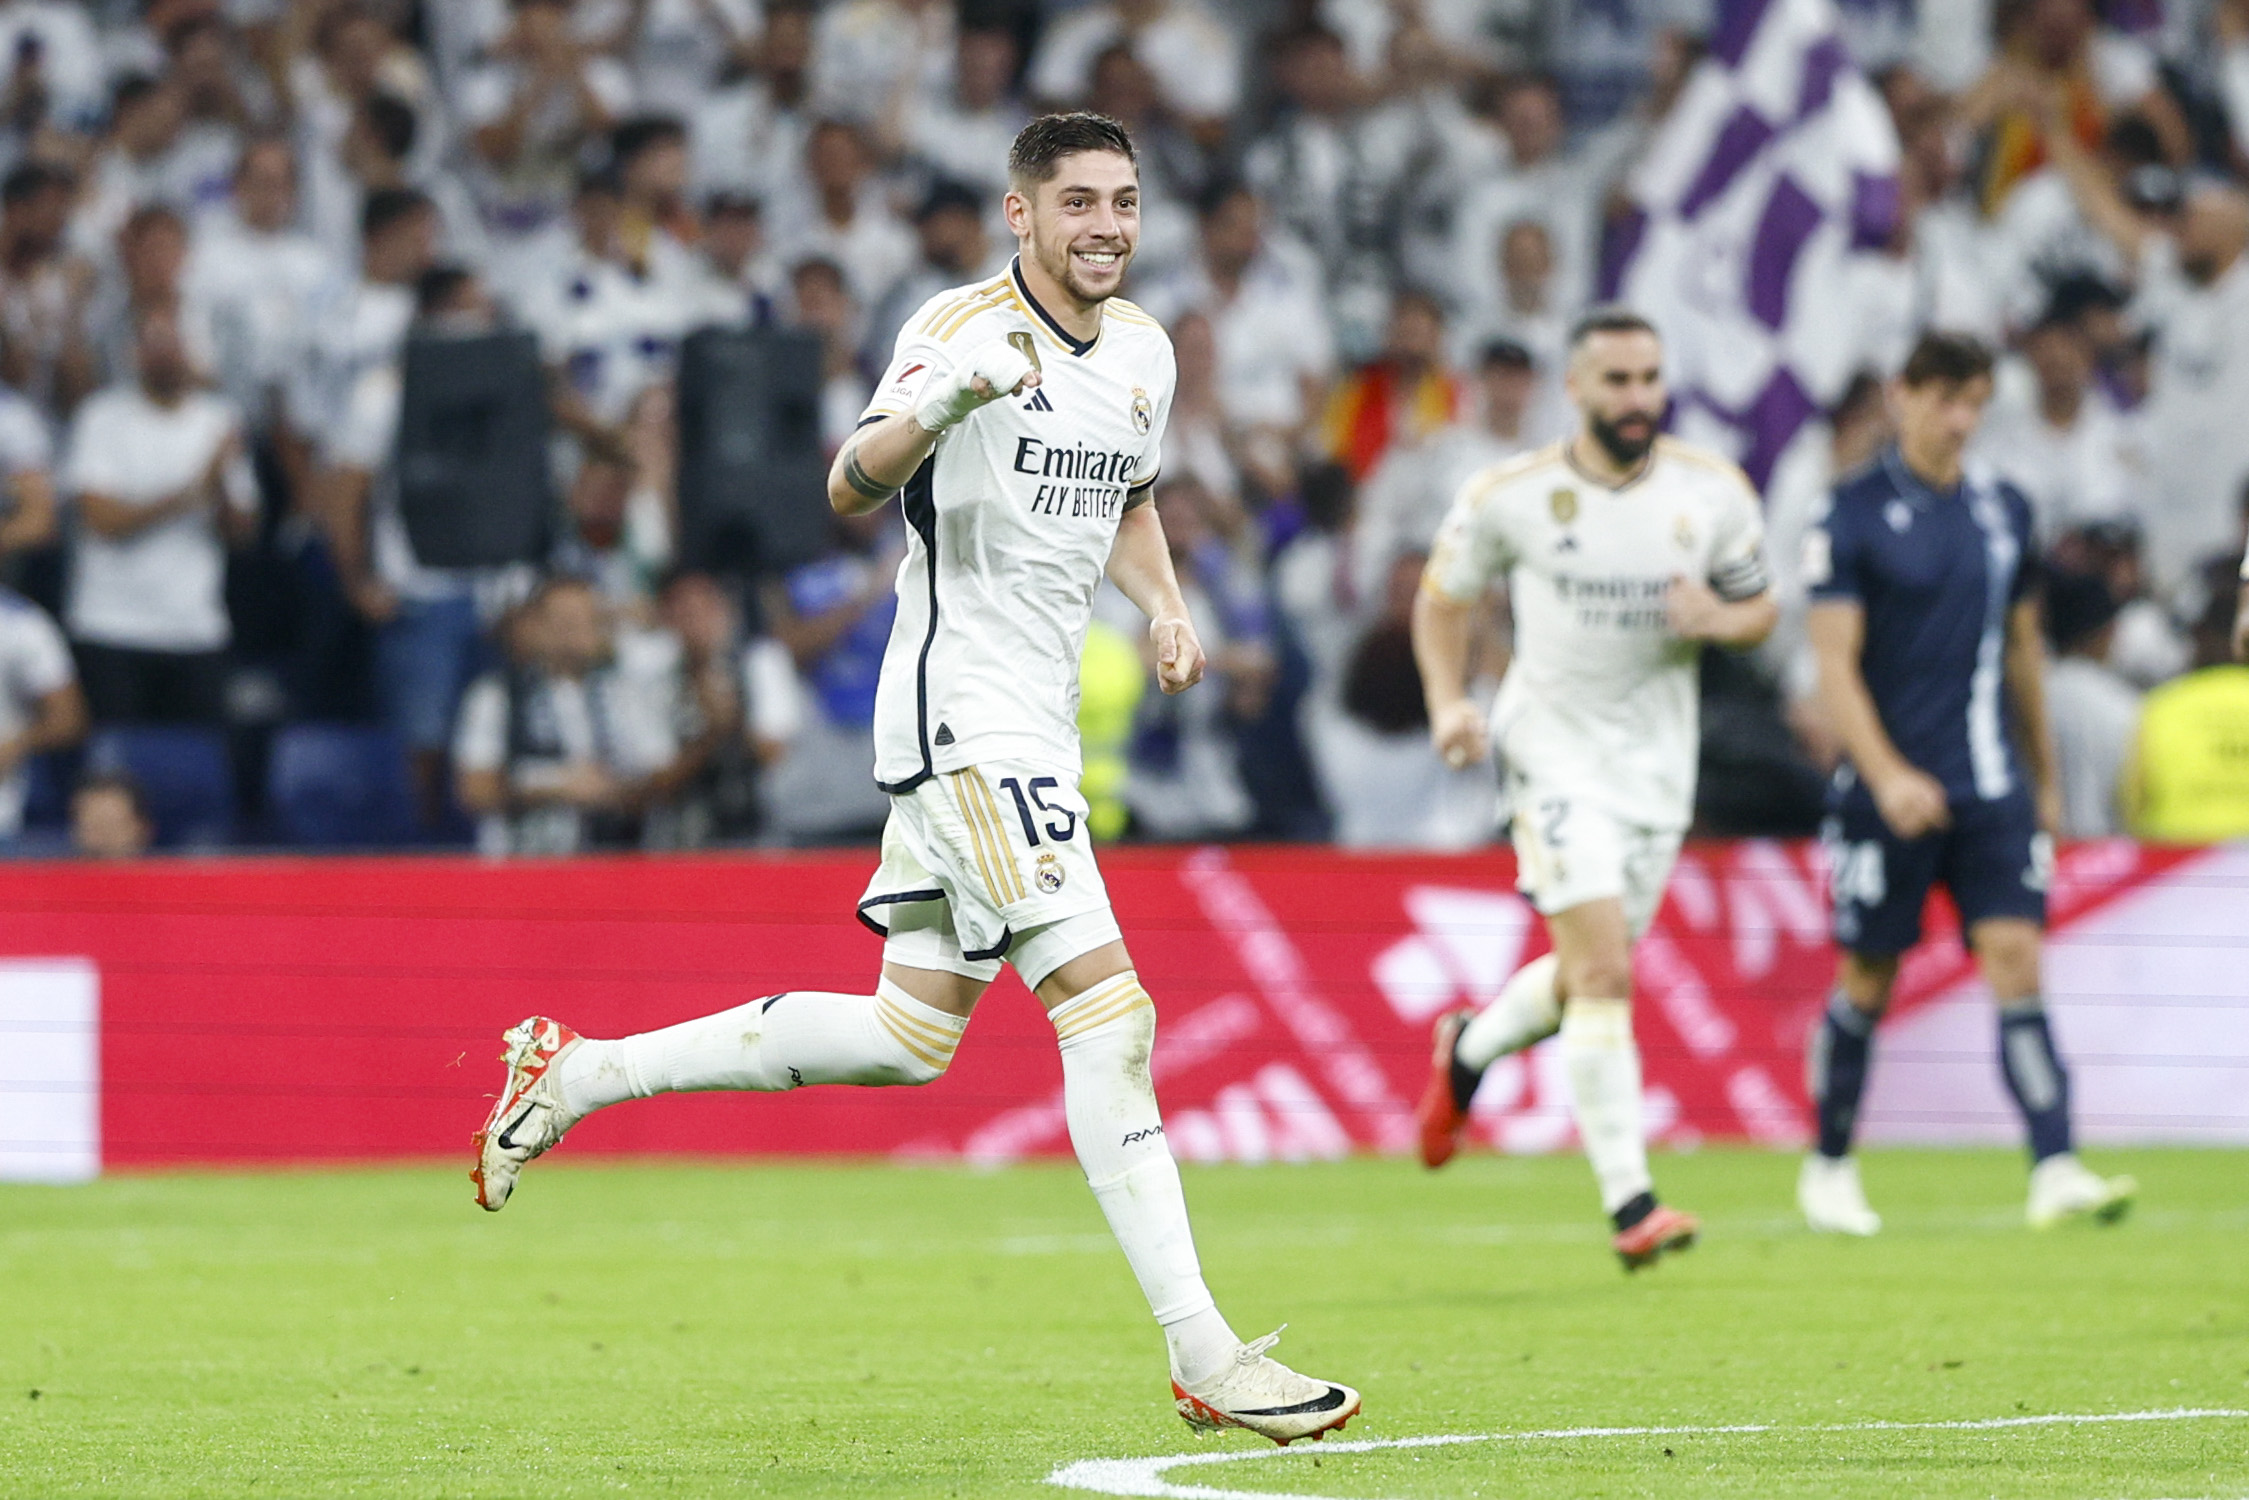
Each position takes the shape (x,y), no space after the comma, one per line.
(1106,1035)
(1527,1011)
(783,1042)
(1604,1071)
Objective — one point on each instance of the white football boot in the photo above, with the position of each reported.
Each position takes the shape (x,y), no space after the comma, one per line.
(529,1117)
(2063,1188)
(1266,1397)
(1828,1192)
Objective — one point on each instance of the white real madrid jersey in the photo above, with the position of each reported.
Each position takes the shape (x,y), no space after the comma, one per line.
(1599,702)
(1011,522)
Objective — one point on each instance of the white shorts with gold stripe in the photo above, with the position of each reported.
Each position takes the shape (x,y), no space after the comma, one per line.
(1569,851)
(989,863)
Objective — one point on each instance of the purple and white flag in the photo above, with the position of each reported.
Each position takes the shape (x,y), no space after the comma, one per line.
(1770,183)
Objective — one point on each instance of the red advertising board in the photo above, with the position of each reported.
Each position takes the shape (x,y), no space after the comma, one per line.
(274,1010)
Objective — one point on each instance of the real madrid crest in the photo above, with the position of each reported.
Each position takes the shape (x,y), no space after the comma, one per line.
(1049,872)
(1683,532)
(1563,503)
(1143,417)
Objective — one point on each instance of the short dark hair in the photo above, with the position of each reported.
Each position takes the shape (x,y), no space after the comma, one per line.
(1506,354)
(1040,146)
(1610,319)
(635,135)
(130,90)
(1953,358)
(386,207)
(29,179)
(439,285)
(392,122)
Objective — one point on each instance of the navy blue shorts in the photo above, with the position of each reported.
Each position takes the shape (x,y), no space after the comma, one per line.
(1992,859)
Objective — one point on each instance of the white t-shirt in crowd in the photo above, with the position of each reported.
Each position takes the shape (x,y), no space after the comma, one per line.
(1599,703)
(2198,441)
(258,291)
(2088,472)
(1196,60)
(162,589)
(33,663)
(1273,334)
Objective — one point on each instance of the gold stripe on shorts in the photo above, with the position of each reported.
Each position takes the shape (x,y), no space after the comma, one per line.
(984,839)
(1009,886)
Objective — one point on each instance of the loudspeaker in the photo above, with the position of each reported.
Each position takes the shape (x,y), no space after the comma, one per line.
(474,486)
(753,480)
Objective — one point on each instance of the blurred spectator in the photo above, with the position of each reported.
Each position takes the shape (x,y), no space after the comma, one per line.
(530,109)
(216,111)
(824,305)
(257,277)
(162,487)
(379,151)
(43,290)
(41,708)
(1198,441)
(623,509)
(1406,497)
(2055,434)
(427,622)
(51,68)
(868,52)
(2094,711)
(678,50)
(833,617)
(649,156)
(851,222)
(949,229)
(1195,59)
(1530,311)
(750,136)
(562,751)
(358,324)
(136,165)
(1543,183)
(109,819)
(1174,166)
(960,132)
(2193,295)
(1399,398)
(2054,58)
(739,703)
(27,504)
(2188,782)
(1336,173)
(736,278)
(148,272)
(1262,295)
(610,307)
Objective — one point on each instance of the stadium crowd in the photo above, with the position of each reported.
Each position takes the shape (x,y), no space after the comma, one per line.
(1368,226)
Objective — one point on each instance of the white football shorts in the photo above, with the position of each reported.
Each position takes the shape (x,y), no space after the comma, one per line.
(1569,851)
(988,863)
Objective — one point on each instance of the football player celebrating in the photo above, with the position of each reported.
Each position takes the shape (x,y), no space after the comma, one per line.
(1925,628)
(1021,419)
(1623,552)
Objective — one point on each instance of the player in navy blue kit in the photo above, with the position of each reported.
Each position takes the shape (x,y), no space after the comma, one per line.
(1924,622)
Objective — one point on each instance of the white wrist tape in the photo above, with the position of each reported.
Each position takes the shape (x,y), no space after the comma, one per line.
(946,401)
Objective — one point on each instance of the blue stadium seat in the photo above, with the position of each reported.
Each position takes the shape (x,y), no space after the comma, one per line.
(340,785)
(185,776)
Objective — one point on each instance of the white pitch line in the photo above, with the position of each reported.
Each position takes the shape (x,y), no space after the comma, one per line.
(1144,1477)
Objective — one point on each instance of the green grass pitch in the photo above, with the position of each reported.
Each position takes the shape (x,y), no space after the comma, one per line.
(872,1331)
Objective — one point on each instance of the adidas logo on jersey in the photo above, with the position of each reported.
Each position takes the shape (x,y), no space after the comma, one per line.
(944,734)
(1038,401)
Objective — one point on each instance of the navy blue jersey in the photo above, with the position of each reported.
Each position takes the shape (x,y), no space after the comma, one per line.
(1936,575)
